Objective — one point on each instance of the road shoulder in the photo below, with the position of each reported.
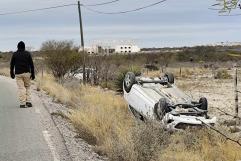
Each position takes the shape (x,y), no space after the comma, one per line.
(75,147)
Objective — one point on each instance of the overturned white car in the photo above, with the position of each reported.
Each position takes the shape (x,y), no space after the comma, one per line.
(160,99)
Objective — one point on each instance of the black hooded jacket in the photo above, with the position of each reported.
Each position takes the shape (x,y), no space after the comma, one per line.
(22,61)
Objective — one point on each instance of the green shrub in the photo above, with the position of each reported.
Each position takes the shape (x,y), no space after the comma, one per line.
(61,57)
(118,83)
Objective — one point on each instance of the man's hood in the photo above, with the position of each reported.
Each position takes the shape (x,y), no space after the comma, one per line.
(21,46)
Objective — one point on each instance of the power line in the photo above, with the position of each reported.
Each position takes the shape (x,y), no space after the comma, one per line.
(224,11)
(216,9)
(38,9)
(221,9)
(54,7)
(231,15)
(85,6)
(127,11)
(101,4)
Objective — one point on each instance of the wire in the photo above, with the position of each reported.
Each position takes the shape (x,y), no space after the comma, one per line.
(54,7)
(217,9)
(85,6)
(122,12)
(34,10)
(230,15)
(101,4)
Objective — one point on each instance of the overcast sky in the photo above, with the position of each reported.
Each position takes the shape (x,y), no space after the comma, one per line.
(172,23)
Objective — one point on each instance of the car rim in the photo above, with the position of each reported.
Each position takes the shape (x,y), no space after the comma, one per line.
(128,81)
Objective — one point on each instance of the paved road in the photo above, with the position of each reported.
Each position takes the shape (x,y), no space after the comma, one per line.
(21,135)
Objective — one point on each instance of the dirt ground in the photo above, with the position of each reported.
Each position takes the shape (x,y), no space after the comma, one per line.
(219,92)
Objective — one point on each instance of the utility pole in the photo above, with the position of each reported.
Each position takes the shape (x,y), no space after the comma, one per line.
(82,42)
(236,95)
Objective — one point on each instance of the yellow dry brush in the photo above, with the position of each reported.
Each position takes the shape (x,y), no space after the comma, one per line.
(102,118)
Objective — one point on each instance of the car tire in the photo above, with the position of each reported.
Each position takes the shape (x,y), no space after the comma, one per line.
(204,103)
(170,78)
(129,81)
(160,109)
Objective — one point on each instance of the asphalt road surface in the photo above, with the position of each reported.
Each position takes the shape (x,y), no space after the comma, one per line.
(21,135)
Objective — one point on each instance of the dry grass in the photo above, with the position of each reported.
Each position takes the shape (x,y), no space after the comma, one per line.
(102,119)
(201,145)
(223,74)
(100,113)
(152,74)
(179,72)
(58,91)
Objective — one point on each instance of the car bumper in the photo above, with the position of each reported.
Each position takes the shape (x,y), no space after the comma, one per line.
(174,122)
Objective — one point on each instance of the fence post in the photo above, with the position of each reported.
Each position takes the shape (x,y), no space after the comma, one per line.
(236,94)
(180,72)
(42,70)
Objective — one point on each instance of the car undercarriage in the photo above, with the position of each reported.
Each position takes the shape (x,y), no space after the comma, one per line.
(159,99)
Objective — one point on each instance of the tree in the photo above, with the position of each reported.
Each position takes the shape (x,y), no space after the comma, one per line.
(61,57)
(227,5)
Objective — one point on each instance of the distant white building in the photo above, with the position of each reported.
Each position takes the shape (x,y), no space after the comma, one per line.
(102,50)
(106,50)
(125,49)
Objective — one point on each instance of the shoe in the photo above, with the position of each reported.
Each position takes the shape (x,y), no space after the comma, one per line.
(29,104)
(22,106)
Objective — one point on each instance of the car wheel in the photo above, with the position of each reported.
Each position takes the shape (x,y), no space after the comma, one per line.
(160,109)
(204,103)
(170,78)
(129,80)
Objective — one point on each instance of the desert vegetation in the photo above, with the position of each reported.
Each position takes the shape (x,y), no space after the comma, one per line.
(61,57)
(222,74)
(102,118)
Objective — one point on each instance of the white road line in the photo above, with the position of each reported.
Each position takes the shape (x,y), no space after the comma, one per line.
(50,145)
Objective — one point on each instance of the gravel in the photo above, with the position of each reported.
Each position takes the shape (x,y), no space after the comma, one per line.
(77,148)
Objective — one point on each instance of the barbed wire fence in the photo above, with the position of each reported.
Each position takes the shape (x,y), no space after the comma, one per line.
(236,94)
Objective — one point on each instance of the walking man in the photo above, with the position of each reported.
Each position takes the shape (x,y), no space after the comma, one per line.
(22,67)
